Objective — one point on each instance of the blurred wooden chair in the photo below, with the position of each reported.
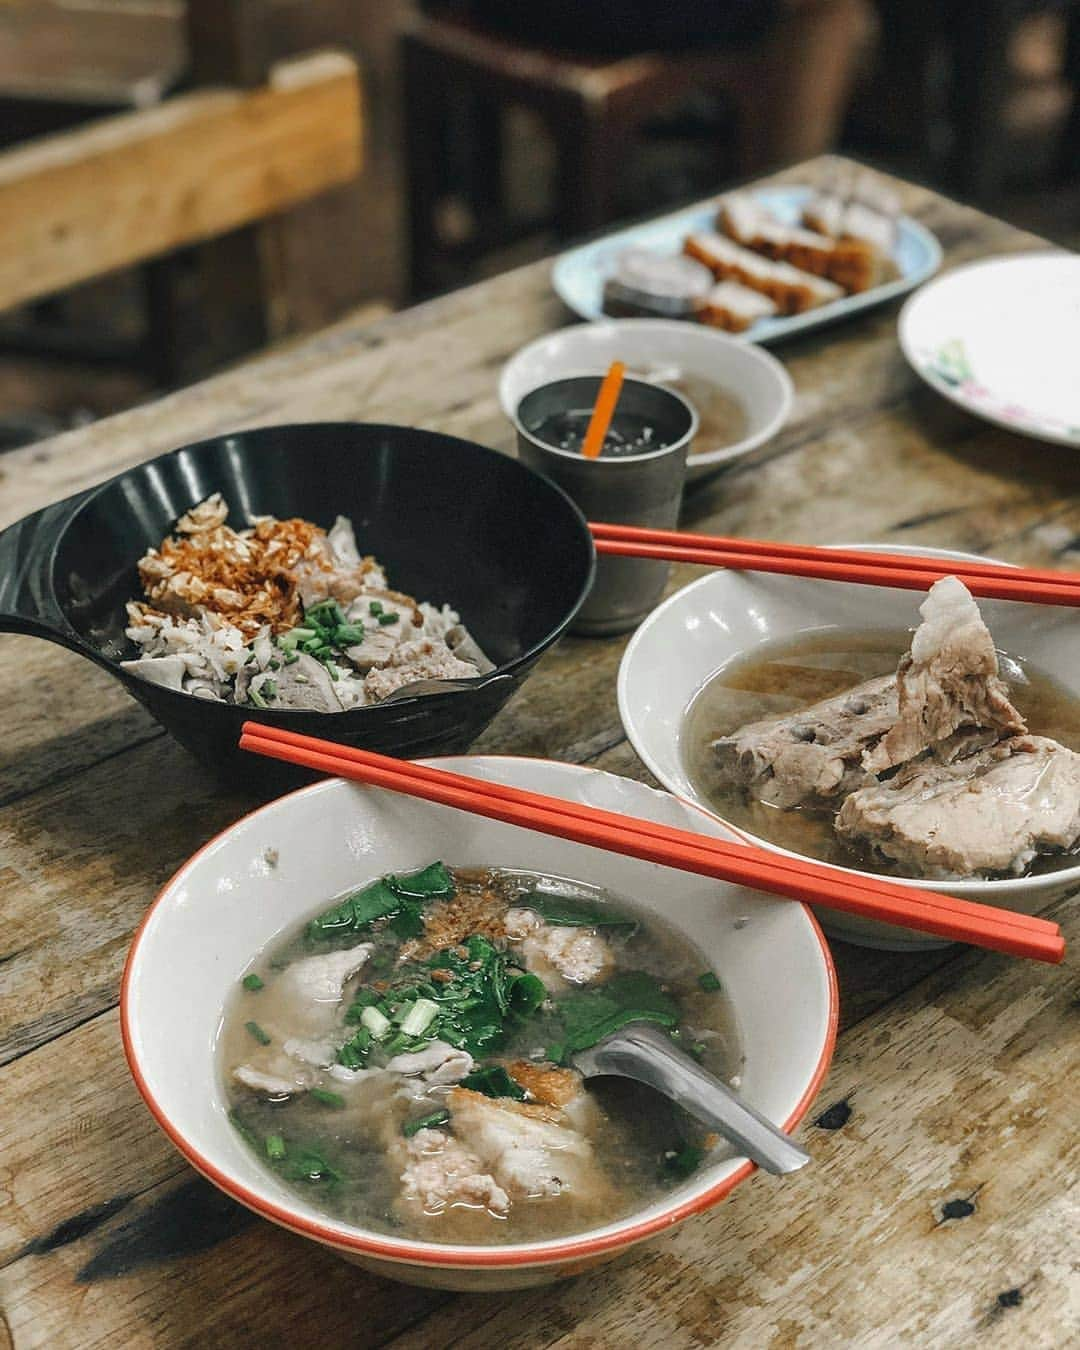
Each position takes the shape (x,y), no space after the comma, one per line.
(194,184)
(592,105)
(944,81)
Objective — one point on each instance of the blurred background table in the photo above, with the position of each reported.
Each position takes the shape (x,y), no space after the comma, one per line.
(941,1208)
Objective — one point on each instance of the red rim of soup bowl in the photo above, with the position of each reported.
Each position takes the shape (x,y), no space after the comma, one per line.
(431,1254)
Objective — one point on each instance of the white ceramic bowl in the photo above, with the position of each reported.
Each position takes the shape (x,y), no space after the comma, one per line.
(226,903)
(745,371)
(727,614)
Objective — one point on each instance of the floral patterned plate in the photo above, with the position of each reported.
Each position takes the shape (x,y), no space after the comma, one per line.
(1001,338)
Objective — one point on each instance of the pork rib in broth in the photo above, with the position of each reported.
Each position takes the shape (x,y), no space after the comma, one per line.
(401,1059)
(932,755)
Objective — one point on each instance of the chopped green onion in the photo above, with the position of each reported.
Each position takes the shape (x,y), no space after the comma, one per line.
(709,982)
(375,608)
(384,619)
(375,1022)
(334,1099)
(245,1134)
(257,699)
(353,1054)
(253,1029)
(274,663)
(301,679)
(295,635)
(275,1146)
(419,1017)
(349,633)
(697,1050)
(326,614)
(682,1161)
(412,1127)
(292,658)
(333,671)
(270,687)
(252,982)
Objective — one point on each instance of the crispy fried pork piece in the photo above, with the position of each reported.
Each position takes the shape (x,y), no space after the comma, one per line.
(791,289)
(982,813)
(547,1083)
(558,954)
(531,1150)
(949,680)
(813,755)
(734,307)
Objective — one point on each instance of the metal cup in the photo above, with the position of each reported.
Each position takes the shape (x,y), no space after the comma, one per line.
(629,490)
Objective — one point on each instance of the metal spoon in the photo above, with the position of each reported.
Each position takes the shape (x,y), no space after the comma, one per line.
(421,688)
(645,1053)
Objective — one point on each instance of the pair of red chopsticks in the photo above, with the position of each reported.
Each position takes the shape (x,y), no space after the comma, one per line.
(869,897)
(989,580)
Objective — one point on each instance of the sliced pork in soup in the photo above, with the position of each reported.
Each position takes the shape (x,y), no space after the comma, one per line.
(916,762)
(989,811)
(404,1060)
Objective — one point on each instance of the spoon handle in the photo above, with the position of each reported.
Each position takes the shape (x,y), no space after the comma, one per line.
(645,1053)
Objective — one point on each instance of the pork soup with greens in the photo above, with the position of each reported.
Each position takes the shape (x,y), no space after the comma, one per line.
(403,1060)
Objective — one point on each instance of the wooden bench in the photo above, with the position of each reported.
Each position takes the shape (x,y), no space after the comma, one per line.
(195,185)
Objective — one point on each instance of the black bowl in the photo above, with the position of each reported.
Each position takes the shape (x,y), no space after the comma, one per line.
(451,521)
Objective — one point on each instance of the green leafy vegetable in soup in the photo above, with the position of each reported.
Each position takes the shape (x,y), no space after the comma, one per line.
(411,1069)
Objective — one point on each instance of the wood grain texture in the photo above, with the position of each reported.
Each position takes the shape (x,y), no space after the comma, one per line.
(124,189)
(954,1083)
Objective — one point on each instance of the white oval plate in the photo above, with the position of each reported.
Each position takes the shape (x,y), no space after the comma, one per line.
(725,614)
(578,275)
(1001,339)
(651,347)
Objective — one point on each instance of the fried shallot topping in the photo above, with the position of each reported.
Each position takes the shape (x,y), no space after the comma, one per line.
(245,576)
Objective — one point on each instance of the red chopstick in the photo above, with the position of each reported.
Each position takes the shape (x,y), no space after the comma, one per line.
(943,916)
(984,579)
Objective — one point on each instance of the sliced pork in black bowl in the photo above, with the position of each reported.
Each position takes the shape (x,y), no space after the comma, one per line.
(378,585)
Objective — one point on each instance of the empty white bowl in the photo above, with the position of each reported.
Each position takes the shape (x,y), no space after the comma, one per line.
(725,614)
(228,901)
(652,348)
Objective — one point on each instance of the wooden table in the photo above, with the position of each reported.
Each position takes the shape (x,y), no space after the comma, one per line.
(942,1206)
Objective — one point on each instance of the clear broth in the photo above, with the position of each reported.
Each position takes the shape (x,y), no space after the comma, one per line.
(792,673)
(632,1132)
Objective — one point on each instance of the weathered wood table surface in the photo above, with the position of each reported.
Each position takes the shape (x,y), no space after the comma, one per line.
(942,1206)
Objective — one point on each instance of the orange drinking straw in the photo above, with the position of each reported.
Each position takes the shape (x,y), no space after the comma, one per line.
(604,411)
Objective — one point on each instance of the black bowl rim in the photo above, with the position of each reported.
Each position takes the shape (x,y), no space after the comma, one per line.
(82,501)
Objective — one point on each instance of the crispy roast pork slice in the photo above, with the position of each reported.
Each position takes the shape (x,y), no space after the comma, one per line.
(812,756)
(983,813)
(947,681)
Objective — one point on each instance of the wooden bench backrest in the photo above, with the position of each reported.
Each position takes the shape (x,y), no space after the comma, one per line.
(125,189)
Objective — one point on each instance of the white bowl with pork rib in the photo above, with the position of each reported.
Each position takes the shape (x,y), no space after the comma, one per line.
(726,615)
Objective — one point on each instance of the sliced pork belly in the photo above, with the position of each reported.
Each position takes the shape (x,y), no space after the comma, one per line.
(949,680)
(811,756)
(988,812)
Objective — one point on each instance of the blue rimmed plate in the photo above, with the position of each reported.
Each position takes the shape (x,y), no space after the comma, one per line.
(579,274)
